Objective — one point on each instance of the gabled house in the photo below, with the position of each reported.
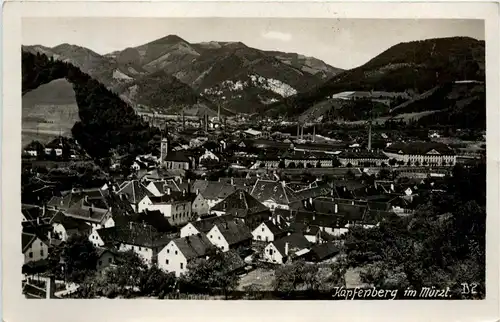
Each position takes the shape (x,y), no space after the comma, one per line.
(203,226)
(174,205)
(34,247)
(64,226)
(281,250)
(33,149)
(142,239)
(269,231)
(230,235)
(136,194)
(208,156)
(160,187)
(179,252)
(242,205)
(322,252)
(106,258)
(275,194)
(208,194)
(94,206)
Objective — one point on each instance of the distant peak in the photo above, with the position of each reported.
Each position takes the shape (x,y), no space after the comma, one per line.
(170,39)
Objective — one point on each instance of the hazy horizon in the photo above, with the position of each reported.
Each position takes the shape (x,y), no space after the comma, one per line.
(342,43)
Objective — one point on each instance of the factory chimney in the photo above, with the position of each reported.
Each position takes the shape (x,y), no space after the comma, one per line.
(298,129)
(370,135)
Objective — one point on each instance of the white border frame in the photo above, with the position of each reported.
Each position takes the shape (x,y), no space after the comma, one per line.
(17,308)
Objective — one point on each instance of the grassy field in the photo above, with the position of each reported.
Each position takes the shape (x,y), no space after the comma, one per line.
(264,278)
(48,110)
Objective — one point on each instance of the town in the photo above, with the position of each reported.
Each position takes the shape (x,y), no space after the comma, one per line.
(223,204)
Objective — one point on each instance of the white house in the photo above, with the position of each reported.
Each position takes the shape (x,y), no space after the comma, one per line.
(274,194)
(280,250)
(268,231)
(34,248)
(208,155)
(175,206)
(179,252)
(229,235)
(203,226)
(136,194)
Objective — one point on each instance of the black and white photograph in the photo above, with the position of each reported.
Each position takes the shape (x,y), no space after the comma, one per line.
(253,158)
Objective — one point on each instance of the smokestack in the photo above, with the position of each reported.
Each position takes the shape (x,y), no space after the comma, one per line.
(286,249)
(370,136)
(298,129)
(183,121)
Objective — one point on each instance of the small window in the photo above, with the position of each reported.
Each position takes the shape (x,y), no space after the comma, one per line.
(30,255)
(175,252)
(168,251)
(211,236)
(110,260)
(41,252)
(166,261)
(182,265)
(270,251)
(262,228)
(219,237)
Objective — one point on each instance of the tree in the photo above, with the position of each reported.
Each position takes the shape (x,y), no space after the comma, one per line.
(318,164)
(349,165)
(281,164)
(296,276)
(291,165)
(384,174)
(300,165)
(383,165)
(336,163)
(79,258)
(262,165)
(208,275)
(350,174)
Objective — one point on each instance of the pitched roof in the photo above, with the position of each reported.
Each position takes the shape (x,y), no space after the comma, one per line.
(296,242)
(275,229)
(173,197)
(176,156)
(240,204)
(162,185)
(32,212)
(273,190)
(323,251)
(419,148)
(134,191)
(213,189)
(194,246)
(70,223)
(234,232)
(363,154)
(134,234)
(204,225)
(27,240)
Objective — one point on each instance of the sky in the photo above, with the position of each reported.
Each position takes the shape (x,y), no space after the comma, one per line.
(343,43)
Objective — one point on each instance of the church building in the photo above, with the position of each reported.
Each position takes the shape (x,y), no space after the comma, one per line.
(172,159)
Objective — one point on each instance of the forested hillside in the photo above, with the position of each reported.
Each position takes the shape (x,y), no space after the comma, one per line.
(106,122)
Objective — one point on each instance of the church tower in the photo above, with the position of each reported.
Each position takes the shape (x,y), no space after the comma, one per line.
(164,144)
